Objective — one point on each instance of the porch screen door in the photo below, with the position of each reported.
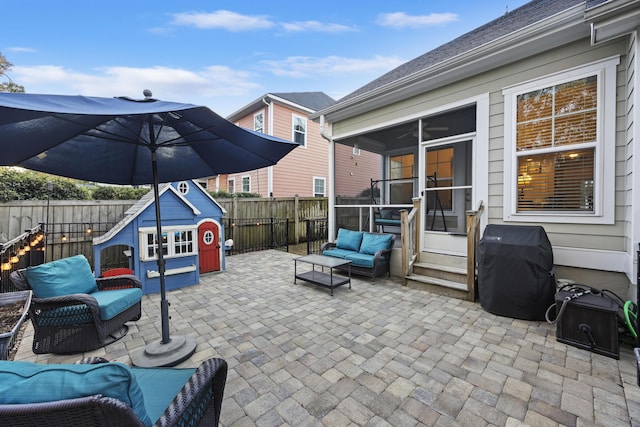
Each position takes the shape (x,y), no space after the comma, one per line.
(447,186)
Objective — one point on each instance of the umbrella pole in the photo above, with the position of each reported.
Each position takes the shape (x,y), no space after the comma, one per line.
(164,304)
(167,351)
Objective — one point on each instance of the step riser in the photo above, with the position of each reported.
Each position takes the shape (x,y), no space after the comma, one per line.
(436,289)
(443,259)
(440,274)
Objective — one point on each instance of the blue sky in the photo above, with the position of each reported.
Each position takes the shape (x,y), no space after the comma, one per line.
(224,54)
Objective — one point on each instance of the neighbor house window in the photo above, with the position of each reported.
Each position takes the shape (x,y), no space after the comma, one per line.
(258,122)
(176,242)
(561,145)
(319,186)
(231,185)
(246,184)
(300,130)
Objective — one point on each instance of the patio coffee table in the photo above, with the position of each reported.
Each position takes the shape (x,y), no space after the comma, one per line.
(320,277)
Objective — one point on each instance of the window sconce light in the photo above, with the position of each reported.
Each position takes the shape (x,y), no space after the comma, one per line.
(64,237)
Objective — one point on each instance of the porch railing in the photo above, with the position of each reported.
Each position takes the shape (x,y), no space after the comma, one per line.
(410,226)
(473,235)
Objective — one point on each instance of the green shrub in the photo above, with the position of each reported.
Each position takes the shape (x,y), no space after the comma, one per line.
(118,193)
(28,185)
(221,194)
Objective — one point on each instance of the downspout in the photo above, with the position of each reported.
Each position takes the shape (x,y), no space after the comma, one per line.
(332,168)
(269,105)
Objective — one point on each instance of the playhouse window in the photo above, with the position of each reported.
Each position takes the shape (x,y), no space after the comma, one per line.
(176,242)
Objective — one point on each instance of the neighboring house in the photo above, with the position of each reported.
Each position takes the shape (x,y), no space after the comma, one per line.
(192,231)
(304,171)
(535,114)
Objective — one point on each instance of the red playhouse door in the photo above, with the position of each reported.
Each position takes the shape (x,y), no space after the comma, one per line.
(209,247)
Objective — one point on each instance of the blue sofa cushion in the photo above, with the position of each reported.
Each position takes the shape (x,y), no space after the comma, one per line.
(371,243)
(157,399)
(65,276)
(361,260)
(337,253)
(349,239)
(26,382)
(116,301)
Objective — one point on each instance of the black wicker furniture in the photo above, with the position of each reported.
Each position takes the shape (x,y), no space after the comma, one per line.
(108,394)
(369,253)
(75,322)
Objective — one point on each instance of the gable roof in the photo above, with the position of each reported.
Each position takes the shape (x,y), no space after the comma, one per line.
(312,100)
(307,101)
(510,37)
(138,207)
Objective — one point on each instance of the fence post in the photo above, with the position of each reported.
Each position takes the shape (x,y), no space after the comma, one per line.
(308,236)
(296,218)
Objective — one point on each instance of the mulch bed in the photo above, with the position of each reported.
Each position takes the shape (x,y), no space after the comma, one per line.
(10,315)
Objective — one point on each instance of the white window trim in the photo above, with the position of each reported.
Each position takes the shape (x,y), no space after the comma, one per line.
(229,181)
(293,128)
(604,197)
(324,186)
(143,232)
(183,187)
(259,113)
(243,178)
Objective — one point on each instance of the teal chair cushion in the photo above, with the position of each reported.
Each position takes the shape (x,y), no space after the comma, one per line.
(157,398)
(361,260)
(371,243)
(65,276)
(116,301)
(26,382)
(337,253)
(348,239)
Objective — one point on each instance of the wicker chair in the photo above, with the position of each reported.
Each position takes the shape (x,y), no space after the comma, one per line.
(71,323)
(198,403)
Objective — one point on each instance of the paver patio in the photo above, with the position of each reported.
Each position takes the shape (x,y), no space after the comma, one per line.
(378,354)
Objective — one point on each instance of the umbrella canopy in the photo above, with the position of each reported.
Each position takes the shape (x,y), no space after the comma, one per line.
(111,140)
(126,141)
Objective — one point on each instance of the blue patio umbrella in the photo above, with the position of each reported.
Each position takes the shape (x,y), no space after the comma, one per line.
(127,141)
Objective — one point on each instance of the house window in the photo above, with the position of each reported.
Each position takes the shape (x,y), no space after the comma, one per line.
(319,186)
(258,122)
(183,187)
(231,185)
(300,130)
(561,145)
(176,242)
(246,184)
(401,179)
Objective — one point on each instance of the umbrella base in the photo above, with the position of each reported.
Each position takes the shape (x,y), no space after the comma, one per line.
(159,354)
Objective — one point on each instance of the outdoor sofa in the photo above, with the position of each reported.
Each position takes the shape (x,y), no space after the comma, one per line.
(94,392)
(369,253)
(72,311)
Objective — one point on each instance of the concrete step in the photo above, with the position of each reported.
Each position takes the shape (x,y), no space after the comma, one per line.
(438,286)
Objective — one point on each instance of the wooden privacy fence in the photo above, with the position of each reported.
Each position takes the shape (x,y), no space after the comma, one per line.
(78,221)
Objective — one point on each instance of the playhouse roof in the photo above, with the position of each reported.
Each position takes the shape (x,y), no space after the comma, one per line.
(138,207)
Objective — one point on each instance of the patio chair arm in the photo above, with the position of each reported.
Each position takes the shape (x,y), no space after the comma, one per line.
(200,399)
(327,245)
(124,281)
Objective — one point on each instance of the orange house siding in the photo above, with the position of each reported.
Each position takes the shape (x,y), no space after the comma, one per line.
(354,172)
(295,173)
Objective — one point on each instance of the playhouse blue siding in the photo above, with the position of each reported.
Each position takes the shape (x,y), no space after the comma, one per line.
(174,212)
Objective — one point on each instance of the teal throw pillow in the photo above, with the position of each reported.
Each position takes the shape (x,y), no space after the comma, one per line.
(371,243)
(65,276)
(26,382)
(349,240)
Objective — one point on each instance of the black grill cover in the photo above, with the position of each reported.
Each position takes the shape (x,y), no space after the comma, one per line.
(515,271)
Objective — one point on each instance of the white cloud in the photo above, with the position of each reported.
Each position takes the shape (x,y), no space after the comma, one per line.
(315,26)
(22,49)
(402,20)
(223,19)
(305,66)
(171,84)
